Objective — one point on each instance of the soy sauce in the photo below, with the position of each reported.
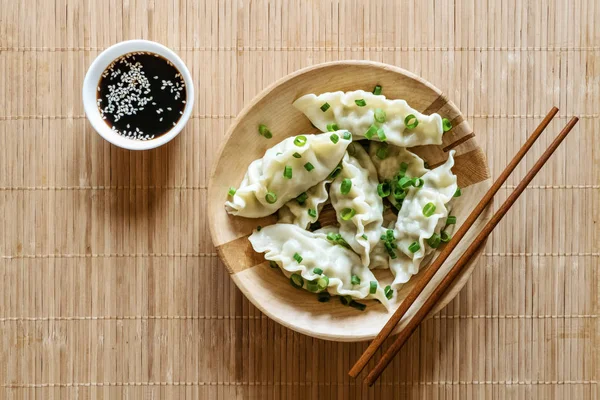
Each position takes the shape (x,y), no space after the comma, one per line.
(141,95)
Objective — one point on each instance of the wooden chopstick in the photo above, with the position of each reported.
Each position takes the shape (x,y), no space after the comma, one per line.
(464,259)
(441,258)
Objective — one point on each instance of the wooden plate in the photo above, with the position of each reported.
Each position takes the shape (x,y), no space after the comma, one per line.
(267,288)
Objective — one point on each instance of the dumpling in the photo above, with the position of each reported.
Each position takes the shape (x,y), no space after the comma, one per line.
(297,251)
(305,209)
(286,170)
(358,207)
(413,228)
(355,111)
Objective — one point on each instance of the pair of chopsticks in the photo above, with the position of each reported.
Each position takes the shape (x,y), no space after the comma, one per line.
(428,274)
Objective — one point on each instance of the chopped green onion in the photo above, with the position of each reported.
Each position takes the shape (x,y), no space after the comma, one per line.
(314,226)
(389,292)
(287,172)
(418,182)
(381,134)
(372,287)
(231,191)
(264,131)
(309,167)
(383,189)
(446,124)
(364,236)
(405,182)
(332,127)
(458,192)
(323,297)
(389,247)
(409,124)
(323,282)
(389,235)
(317,271)
(271,197)
(331,236)
(312,286)
(382,151)
(414,247)
(312,212)
(297,155)
(348,213)
(377,90)
(403,169)
(296,281)
(357,305)
(298,258)
(360,102)
(336,171)
(325,107)
(379,115)
(451,220)
(371,132)
(429,209)
(346,186)
(278,154)
(397,191)
(302,198)
(355,280)
(300,140)
(346,300)
(258,228)
(334,138)
(445,237)
(273,264)
(434,241)
(347,135)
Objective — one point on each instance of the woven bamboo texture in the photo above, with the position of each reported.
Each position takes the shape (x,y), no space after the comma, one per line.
(110,287)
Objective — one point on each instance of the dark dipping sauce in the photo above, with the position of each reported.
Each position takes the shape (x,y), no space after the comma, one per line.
(141,95)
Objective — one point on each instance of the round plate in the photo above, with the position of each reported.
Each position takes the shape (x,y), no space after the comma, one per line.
(267,288)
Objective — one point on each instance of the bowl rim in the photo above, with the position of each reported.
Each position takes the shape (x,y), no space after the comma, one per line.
(92,78)
(211,186)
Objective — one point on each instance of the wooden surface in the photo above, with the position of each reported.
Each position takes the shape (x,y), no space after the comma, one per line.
(267,288)
(111,288)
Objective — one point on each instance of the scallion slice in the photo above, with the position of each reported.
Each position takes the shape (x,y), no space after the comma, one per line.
(258,228)
(332,127)
(389,247)
(446,124)
(325,107)
(312,212)
(417,182)
(296,281)
(377,90)
(389,292)
(373,287)
(297,155)
(346,186)
(298,258)
(451,220)
(334,138)
(302,198)
(434,241)
(414,247)
(398,192)
(309,167)
(429,209)
(383,189)
(331,236)
(273,264)
(317,271)
(371,132)
(389,235)
(312,286)
(323,297)
(287,172)
(382,151)
(403,169)
(300,140)
(347,135)
(271,197)
(357,305)
(364,236)
(264,131)
(458,192)
(381,134)
(335,172)
(445,237)
(379,115)
(348,213)
(405,182)
(323,282)
(231,191)
(355,280)
(345,300)
(411,122)
(360,102)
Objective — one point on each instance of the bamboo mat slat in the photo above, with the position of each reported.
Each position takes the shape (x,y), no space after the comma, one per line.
(111,288)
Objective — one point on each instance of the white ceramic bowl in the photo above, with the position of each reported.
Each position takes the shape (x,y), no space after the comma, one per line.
(90,87)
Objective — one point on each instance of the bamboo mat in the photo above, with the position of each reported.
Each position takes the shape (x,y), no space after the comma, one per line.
(110,287)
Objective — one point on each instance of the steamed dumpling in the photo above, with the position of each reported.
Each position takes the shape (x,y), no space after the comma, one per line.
(296,250)
(305,209)
(361,230)
(265,188)
(413,226)
(344,111)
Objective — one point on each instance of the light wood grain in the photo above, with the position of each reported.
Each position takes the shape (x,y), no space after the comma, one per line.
(111,287)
